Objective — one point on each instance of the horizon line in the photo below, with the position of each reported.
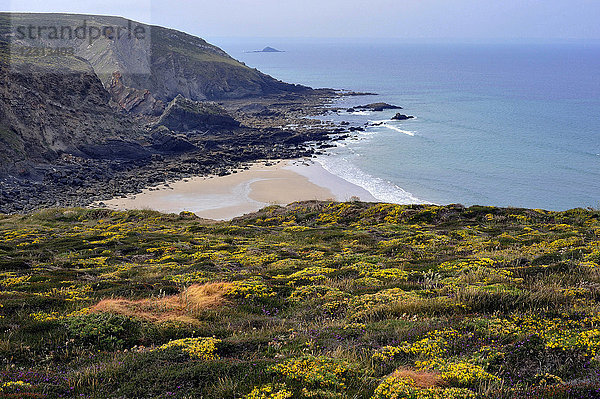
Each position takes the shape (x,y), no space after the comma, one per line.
(407,40)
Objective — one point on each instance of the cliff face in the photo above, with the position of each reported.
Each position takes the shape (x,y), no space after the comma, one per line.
(116,100)
(163,61)
(44,113)
(185,65)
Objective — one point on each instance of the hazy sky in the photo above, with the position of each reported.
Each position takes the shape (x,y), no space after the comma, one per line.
(407,19)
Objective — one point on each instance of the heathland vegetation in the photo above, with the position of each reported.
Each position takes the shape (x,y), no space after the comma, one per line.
(316,300)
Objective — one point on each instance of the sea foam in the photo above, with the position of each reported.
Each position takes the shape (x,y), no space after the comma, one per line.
(397,129)
(381,189)
(385,123)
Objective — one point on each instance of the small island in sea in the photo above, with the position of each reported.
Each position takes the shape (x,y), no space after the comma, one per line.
(267,50)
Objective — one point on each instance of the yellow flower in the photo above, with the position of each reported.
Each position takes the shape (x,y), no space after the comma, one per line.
(396,386)
(466,374)
(319,371)
(270,391)
(12,385)
(249,289)
(198,348)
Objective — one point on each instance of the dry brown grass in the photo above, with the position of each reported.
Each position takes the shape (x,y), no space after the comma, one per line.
(422,379)
(177,307)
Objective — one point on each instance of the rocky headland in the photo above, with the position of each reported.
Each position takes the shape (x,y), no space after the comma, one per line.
(82,129)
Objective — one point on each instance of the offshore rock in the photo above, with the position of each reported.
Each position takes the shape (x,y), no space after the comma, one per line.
(377,107)
(401,117)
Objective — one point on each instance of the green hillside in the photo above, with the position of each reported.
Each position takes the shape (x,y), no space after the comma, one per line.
(317,300)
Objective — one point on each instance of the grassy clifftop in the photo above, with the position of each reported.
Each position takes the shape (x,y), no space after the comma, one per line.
(317,300)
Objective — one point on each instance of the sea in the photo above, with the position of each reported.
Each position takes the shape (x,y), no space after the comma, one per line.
(513,125)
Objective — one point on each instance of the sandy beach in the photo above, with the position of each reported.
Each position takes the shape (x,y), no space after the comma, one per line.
(247,190)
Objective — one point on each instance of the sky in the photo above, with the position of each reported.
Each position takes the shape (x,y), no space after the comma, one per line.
(419,20)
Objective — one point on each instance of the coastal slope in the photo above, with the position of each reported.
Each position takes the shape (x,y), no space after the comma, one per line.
(315,300)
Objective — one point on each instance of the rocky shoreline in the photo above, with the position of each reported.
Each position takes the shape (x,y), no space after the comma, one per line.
(237,133)
(275,127)
(83,129)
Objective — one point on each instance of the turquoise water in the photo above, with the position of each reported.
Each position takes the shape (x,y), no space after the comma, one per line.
(505,125)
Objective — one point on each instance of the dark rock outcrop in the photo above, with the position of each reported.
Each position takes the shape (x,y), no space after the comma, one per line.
(253,109)
(184,115)
(163,140)
(401,117)
(377,107)
(114,149)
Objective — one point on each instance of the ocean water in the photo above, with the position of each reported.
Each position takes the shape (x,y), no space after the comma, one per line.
(506,125)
